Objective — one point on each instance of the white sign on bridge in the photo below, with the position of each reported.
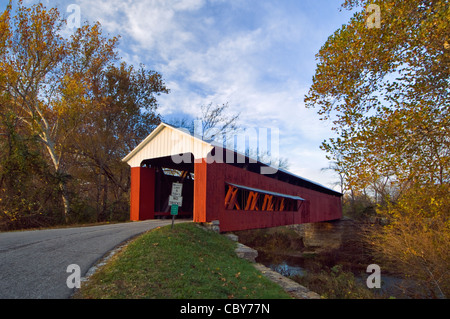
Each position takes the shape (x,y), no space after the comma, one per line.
(177,189)
(175,200)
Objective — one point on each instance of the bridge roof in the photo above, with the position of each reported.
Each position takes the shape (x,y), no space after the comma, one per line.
(167,140)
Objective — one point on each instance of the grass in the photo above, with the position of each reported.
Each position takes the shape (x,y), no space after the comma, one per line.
(185,262)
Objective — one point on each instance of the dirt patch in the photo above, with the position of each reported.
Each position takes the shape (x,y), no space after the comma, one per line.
(274,239)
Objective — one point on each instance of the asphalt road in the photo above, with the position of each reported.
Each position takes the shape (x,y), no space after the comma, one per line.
(33,264)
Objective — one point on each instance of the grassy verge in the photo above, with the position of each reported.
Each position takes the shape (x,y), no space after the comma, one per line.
(184,262)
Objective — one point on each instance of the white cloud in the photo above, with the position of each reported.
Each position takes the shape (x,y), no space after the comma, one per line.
(255,55)
(150,25)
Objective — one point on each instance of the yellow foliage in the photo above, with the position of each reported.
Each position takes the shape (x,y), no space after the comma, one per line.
(417,240)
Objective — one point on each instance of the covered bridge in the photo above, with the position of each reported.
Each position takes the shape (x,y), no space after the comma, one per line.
(221,185)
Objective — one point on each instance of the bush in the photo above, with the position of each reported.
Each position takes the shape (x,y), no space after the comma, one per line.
(417,239)
(272,239)
(334,283)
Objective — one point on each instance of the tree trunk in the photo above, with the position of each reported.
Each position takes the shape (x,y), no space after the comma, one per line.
(66,202)
(103,214)
(62,183)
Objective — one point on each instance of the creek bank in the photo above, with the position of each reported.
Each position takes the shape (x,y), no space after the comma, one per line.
(292,287)
(297,250)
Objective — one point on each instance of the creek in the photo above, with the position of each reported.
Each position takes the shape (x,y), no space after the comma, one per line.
(288,265)
(295,250)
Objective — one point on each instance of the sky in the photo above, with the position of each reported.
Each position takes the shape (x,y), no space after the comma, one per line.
(256,55)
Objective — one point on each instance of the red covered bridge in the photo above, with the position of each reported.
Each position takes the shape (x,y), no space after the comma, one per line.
(221,185)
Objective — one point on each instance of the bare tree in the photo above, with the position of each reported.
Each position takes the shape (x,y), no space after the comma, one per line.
(267,158)
(213,122)
(216,122)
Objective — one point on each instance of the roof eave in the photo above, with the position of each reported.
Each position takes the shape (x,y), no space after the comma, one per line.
(144,142)
(153,134)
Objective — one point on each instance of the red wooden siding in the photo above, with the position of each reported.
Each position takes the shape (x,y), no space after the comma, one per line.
(205,196)
(210,182)
(316,207)
(142,198)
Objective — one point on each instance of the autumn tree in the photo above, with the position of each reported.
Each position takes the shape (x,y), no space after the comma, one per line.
(385,88)
(27,186)
(124,114)
(43,81)
(73,96)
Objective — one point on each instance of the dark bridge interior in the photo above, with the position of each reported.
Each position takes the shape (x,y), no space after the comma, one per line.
(166,173)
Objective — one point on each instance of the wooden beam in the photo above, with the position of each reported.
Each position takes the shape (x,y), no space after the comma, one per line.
(276,203)
(250,200)
(270,204)
(282,204)
(254,205)
(228,195)
(267,201)
(233,200)
(288,205)
(230,199)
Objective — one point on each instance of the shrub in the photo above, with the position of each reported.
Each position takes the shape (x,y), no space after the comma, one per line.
(335,283)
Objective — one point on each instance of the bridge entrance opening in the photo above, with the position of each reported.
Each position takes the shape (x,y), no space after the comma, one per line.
(167,172)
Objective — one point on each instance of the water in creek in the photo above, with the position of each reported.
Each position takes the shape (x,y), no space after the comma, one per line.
(288,265)
(323,245)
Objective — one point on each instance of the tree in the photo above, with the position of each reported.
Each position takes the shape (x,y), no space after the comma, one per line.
(46,77)
(84,109)
(386,91)
(23,201)
(417,239)
(215,124)
(266,157)
(214,121)
(124,114)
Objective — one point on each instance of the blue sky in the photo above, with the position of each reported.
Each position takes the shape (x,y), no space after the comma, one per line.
(258,56)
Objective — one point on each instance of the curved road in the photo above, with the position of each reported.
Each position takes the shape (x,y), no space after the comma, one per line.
(33,264)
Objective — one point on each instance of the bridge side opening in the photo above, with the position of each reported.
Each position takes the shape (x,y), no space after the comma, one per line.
(240,197)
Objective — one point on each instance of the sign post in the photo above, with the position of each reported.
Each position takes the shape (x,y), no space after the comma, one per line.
(175,200)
